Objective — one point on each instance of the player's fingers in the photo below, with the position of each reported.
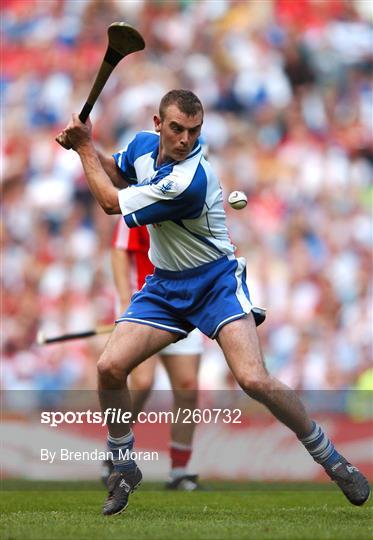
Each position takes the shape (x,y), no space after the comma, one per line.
(75,119)
(63,141)
(76,122)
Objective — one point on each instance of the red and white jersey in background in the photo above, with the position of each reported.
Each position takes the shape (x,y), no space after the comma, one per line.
(136,243)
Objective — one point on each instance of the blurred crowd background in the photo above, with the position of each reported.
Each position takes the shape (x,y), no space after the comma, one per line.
(287,90)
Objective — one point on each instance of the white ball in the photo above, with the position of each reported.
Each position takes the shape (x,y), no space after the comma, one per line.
(237,200)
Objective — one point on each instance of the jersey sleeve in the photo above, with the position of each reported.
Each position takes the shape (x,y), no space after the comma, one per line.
(173,195)
(145,142)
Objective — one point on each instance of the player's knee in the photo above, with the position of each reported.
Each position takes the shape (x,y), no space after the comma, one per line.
(255,386)
(141,383)
(187,384)
(110,371)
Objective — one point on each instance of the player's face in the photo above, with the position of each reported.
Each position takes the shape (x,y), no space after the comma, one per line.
(178,133)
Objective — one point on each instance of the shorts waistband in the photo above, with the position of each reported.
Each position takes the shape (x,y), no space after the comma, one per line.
(190,272)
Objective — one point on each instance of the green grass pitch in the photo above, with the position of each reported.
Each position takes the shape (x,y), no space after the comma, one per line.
(71,510)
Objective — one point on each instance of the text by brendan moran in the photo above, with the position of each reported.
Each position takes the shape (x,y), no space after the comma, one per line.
(64,454)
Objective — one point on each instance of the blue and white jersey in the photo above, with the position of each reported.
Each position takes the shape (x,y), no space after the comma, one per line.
(181,202)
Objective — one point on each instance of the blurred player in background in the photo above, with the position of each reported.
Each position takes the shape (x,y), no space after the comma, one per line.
(181,360)
(197,282)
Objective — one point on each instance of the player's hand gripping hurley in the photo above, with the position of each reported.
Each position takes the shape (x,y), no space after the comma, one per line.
(123,40)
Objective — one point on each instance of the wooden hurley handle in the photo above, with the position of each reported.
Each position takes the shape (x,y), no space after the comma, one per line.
(101,329)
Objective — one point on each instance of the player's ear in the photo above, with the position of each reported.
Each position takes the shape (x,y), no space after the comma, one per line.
(157,123)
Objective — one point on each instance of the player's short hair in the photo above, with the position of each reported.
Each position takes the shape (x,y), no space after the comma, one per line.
(187,102)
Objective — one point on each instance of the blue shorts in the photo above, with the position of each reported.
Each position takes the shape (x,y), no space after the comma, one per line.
(206,297)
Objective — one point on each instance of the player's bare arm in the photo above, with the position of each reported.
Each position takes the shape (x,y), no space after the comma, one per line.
(111,169)
(79,136)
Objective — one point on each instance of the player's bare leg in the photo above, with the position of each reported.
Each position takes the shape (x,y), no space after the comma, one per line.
(128,346)
(140,384)
(240,344)
(183,373)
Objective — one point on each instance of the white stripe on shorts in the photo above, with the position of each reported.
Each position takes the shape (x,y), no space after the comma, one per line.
(172,329)
(225,321)
(240,294)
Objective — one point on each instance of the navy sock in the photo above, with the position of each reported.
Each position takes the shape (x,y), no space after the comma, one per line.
(320,447)
(120,449)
